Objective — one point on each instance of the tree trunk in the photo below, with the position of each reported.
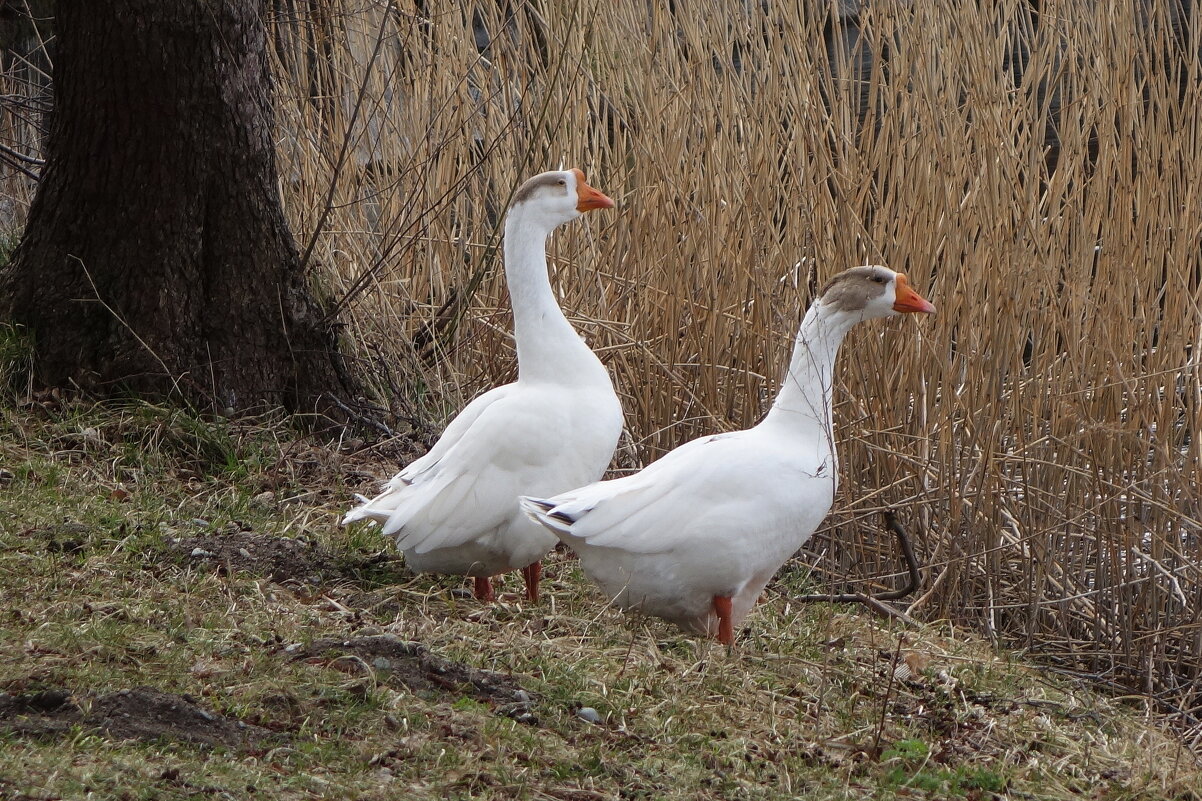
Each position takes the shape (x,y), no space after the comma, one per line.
(156,258)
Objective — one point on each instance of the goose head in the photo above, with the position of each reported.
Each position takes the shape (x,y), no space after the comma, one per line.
(551,199)
(863,293)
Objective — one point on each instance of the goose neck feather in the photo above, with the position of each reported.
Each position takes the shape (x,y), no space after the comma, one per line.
(804,400)
(549,349)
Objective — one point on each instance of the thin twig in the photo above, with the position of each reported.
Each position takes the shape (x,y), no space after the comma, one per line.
(19,156)
(361,419)
(328,205)
(875,751)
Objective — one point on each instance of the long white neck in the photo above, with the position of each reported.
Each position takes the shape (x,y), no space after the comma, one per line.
(804,402)
(549,349)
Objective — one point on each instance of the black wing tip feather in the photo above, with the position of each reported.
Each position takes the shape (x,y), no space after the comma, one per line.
(546,507)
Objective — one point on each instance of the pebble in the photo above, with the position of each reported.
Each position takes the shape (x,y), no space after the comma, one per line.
(589,714)
(201,553)
(6,476)
(381,663)
(199,522)
(245,553)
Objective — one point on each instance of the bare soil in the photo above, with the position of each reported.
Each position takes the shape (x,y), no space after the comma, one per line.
(142,714)
(411,665)
(281,559)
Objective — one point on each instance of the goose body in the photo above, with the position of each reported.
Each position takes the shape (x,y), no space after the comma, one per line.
(695,537)
(455,510)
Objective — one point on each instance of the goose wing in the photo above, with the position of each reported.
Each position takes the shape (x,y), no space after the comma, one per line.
(467,484)
(715,484)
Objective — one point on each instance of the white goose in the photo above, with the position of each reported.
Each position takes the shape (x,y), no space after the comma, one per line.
(455,510)
(695,537)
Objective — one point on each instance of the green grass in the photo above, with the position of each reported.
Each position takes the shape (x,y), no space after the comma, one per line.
(95,601)
(16,350)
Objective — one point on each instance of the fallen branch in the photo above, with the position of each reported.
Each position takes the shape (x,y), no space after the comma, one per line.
(877,602)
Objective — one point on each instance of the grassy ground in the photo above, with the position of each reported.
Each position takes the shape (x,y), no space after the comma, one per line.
(1039,433)
(182,618)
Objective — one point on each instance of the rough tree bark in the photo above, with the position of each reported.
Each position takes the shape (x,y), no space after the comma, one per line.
(156,258)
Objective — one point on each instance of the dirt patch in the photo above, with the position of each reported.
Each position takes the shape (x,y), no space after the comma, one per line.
(425,674)
(283,560)
(138,714)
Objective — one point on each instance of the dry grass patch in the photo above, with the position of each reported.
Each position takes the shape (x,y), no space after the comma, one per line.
(361,680)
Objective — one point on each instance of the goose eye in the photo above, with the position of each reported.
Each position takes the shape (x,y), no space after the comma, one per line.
(878,279)
(562,182)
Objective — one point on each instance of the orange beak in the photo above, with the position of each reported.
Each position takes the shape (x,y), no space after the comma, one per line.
(910,301)
(589,198)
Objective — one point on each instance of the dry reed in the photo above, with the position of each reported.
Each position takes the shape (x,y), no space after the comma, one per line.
(1040,431)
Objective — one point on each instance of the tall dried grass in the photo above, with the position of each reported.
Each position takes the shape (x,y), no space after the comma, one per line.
(1040,431)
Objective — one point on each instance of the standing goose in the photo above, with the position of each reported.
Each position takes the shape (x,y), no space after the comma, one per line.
(455,510)
(694,537)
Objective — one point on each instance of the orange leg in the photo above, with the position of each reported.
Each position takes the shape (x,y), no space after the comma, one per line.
(726,627)
(483,590)
(531,574)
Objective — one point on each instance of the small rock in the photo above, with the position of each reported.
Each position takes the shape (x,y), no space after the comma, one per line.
(199,522)
(381,663)
(265,498)
(6,476)
(528,718)
(244,553)
(589,714)
(296,646)
(201,553)
(522,697)
(92,436)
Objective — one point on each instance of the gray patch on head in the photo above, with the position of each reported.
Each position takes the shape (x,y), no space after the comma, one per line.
(851,290)
(532,185)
